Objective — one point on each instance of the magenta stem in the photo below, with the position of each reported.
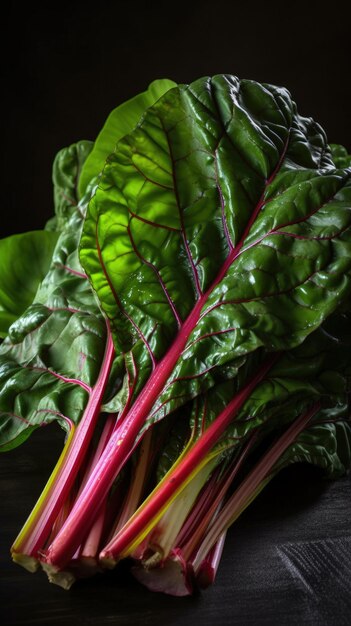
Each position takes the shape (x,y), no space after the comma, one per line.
(72,462)
(208,569)
(107,431)
(188,545)
(250,484)
(176,478)
(90,546)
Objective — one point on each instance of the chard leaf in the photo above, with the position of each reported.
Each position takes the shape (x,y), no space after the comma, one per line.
(317,370)
(24,261)
(120,122)
(220,224)
(66,173)
(340,155)
(326,445)
(53,352)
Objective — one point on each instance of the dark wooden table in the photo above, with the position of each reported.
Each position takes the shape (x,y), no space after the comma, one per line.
(286,560)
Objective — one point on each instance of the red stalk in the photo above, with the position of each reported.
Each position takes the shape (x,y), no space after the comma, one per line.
(137,485)
(58,494)
(163,537)
(177,478)
(63,514)
(107,431)
(208,569)
(84,562)
(91,544)
(243,495)
(116,452)
(189,544)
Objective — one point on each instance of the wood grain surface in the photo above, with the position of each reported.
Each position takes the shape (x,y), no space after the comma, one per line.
(286,560)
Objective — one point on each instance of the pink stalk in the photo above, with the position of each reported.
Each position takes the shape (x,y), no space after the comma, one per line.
(84,562)
(208,568)
(137,483)
(89,550)
(198,529)
(40,524)
(135,489)
(178,477)
(165,536)
(90,547)
(116,452)
(244,494)
(63,514)
(107,431)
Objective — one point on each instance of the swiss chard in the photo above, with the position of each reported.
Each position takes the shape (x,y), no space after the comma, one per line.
(209,236)
(213,227)
(316,373)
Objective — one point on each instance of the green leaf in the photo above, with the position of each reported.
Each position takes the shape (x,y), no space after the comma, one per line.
(317,370)
(54,351)
(340,155)
(120,122)
(327,446)
(24,261)
(219,222)
(313,375)
(66,173)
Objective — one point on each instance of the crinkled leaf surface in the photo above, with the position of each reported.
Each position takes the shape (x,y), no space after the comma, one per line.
(317,370)
(24,262)
(66,172)
(326,445)
(340,155)
(222,208)
(120,122)
(53,352)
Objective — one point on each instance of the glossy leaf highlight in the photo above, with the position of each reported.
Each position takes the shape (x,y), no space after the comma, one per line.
(24,262)
(120,122)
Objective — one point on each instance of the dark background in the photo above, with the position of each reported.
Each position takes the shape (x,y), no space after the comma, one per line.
(69,63)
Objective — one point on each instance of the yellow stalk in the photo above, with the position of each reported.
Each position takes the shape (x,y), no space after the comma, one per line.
(26,561)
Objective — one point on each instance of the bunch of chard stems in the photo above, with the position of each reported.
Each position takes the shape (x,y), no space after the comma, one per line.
(91,513)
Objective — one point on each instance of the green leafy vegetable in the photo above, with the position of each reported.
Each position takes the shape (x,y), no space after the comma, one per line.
(161,195)
(198,343)
(52,354)
(157,240)
(24,262)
